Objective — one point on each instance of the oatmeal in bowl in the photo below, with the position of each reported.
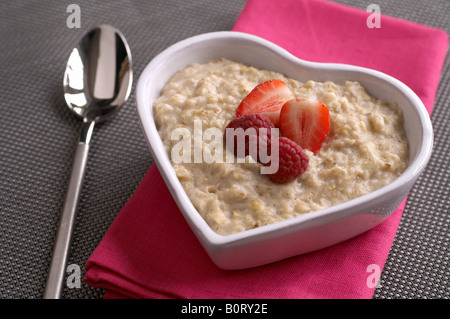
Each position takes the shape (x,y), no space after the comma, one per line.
(351,143)
(365,149)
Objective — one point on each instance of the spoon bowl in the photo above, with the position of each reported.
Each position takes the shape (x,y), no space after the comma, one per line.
(97,83)
(98,76)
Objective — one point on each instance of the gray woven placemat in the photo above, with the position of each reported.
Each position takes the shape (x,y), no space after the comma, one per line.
(38,135)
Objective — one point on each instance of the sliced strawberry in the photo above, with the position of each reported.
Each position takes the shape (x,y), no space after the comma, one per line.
(267,99)
(306,122)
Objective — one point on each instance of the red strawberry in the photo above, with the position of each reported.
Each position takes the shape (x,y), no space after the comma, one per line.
(293,161)
(266,98)
(306,122)
(250,125)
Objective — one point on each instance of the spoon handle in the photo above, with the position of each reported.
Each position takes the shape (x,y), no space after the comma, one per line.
(55,280)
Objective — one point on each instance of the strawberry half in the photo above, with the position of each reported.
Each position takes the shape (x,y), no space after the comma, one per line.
(267,99)
(306,122)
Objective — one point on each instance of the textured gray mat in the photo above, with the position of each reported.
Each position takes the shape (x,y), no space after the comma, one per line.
(38,136)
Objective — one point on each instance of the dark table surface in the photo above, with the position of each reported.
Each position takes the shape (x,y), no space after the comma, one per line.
(38,136)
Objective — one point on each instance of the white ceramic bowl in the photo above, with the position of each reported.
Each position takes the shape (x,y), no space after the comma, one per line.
(307,232)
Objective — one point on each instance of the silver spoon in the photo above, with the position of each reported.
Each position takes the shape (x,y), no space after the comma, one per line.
(97,82)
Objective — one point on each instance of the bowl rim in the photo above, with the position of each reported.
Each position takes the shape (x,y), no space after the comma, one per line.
(214,240)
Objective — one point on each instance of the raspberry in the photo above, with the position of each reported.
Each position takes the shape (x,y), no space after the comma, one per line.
(293,161)
(250,125)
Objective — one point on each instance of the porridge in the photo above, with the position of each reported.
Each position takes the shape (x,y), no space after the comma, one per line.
(365,149)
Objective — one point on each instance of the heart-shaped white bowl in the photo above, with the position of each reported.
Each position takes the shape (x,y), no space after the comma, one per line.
(307,232)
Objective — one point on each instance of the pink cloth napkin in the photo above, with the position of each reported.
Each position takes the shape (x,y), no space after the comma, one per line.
(149,250)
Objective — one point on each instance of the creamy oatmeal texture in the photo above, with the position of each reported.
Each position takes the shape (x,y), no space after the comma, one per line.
(366,147)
